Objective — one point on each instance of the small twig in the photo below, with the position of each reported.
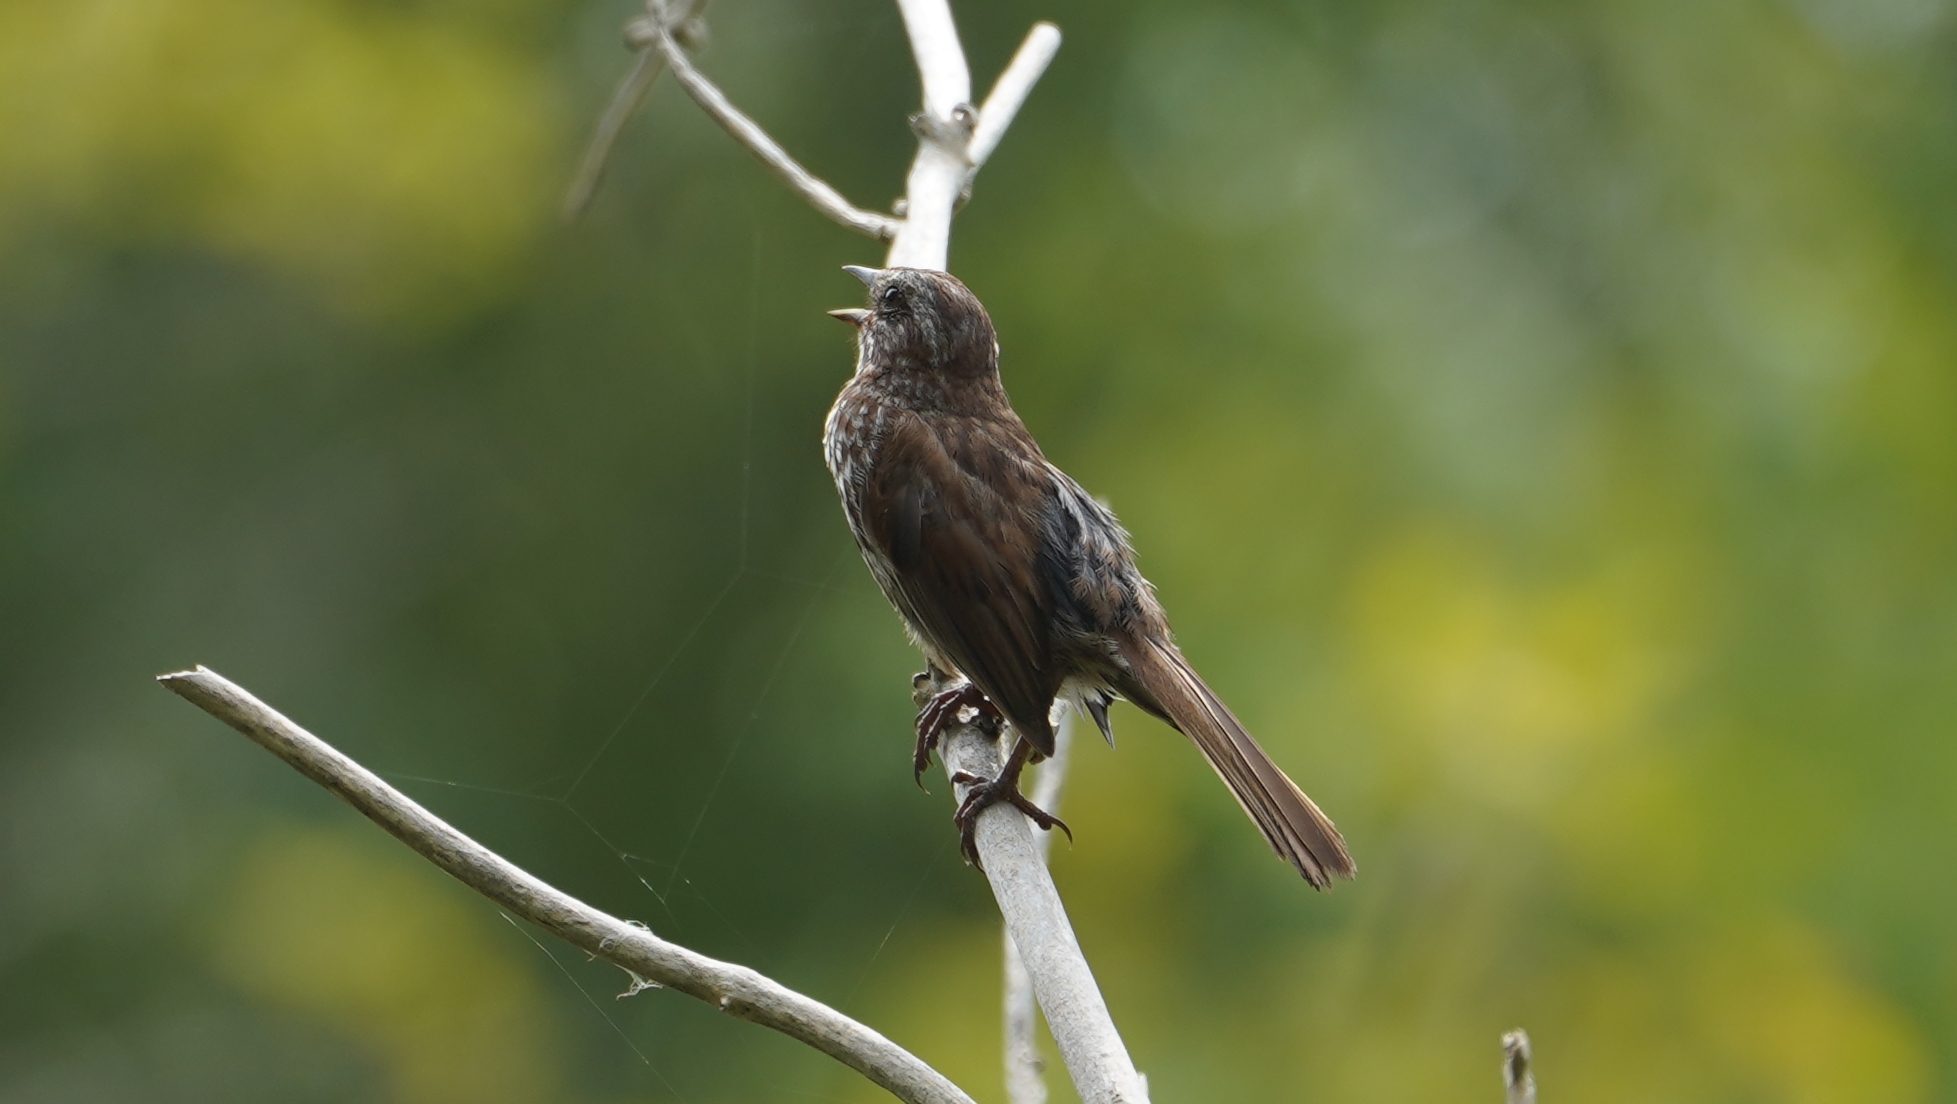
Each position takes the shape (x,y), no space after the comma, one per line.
(591,170)
(683,17)
(735,990)
(1076,1014)
(1516,1076)
(1025,1069)
(749,133)
(1048,954)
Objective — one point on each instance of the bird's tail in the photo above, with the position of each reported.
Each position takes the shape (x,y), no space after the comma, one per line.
(1296,829)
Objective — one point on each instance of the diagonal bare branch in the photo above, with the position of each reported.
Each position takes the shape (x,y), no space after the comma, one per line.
(749,133)
(1015,83)
(735,990)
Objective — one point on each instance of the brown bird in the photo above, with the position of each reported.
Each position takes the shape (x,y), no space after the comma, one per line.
(1007,572)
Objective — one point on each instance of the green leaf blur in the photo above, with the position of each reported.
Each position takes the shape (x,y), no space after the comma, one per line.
(1540,421)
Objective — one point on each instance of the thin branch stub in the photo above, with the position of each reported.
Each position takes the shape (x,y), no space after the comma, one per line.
(690,28)
(1517,1078)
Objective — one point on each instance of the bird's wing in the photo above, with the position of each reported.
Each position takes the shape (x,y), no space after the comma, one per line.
(957,512)
(1086,566)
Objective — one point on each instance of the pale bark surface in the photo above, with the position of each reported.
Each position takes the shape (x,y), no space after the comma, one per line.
(735,990)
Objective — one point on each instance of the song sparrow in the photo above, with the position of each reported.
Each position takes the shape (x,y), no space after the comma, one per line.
(1007,572)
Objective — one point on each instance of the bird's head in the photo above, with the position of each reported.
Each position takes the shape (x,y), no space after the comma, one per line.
(920,320)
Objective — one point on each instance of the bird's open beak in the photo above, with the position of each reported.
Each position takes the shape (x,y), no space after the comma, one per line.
(855,316)
(867,275)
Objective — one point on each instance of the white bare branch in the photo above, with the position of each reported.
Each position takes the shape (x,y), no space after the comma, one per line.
(1036,921)
(1011,90)
(931,191)
(1025,1069)
(944,133)
(735,990)
(749,133)
(940,58)
(954,139)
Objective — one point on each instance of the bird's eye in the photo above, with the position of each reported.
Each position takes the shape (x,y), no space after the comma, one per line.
(891,297)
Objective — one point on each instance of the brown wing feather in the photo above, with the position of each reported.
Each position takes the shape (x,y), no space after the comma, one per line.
(1165,685)
(940,506)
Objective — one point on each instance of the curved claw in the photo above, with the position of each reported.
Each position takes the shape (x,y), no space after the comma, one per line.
(940,713)
(987,792)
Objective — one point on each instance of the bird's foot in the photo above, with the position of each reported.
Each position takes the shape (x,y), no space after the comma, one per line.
(941,712)
(987,792)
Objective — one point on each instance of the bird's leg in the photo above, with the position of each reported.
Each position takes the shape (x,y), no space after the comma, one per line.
(941,711)
(986,792)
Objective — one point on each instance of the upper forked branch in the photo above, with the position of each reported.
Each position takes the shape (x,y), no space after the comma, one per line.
(949,124)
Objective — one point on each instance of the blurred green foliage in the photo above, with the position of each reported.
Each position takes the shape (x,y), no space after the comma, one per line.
(1540,420)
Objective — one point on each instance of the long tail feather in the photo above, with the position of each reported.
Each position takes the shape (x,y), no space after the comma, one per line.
(1295,828)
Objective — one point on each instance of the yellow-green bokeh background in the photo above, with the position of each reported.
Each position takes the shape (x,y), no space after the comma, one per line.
(1540,420)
